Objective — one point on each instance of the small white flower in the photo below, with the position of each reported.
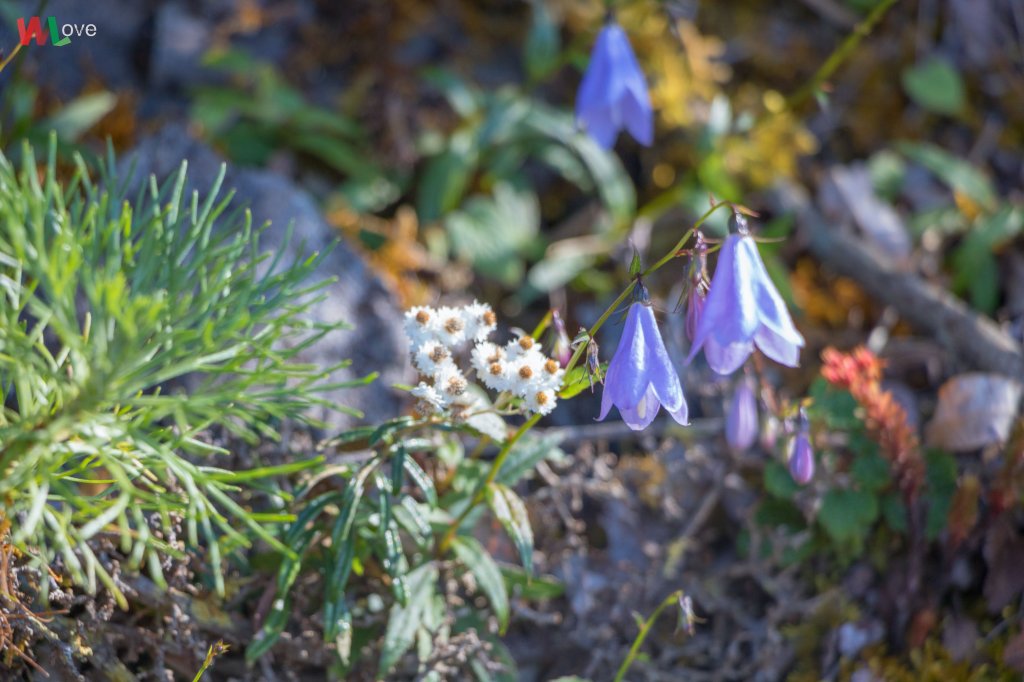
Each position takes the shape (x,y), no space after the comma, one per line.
(496,376)
(431,357)
(551,375)
(428,397)
(450,383)
(516,348)
(484,355)
(421,324)
(480,321)
(451,326)
(525,371)
(542,402)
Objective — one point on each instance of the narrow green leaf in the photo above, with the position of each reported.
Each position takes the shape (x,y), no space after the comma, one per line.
(405,620)
(511,513)
(472,554)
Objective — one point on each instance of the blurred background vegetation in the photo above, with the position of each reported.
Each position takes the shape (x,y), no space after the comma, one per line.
(437,140)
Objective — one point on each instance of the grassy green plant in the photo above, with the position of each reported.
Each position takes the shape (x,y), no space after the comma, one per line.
(128,329)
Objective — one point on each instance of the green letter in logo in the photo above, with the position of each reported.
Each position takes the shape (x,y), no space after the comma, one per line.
(55,36)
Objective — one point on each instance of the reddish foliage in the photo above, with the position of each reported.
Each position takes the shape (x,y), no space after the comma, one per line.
(860,373)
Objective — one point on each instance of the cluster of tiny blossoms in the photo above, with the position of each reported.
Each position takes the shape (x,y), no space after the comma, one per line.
(519,368)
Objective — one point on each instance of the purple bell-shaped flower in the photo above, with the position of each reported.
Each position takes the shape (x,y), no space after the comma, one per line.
(613,94)
(744,309)
(640,378)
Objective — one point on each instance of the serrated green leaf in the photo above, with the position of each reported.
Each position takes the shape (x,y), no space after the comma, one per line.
(511,513)
(472,554)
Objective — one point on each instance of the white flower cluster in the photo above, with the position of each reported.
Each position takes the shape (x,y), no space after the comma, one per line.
(519,367)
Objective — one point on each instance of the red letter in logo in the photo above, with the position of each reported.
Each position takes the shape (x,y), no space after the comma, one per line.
(34,30)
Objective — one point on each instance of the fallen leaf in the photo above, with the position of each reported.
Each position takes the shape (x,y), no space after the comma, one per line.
(876,218)
(974,410)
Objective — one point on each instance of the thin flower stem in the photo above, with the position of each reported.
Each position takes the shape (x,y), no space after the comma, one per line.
(12,55)
(597,325)
(544,323)
(622,297)
(478,450)
(644,630)
(481,492)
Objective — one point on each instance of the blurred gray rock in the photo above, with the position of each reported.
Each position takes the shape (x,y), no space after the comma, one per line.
(375,343)
(179,41)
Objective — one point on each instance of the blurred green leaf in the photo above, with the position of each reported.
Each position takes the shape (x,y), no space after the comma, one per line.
(445,178)
(421,479)
(957,173)
(779,482)
(836,407)
(775,512)
(935,85)
(463,98)
(579,380)
(526,454)
(529,587)
(511,513)
(492,232)
(80,114)
(543,44)
(499,653)
(404,621)
(887,170)
(940,478)
(871,472)
(472,554)
(847,515)
(974,265)
(894,511)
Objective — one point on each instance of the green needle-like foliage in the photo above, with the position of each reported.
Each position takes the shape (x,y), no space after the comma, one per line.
(128,328)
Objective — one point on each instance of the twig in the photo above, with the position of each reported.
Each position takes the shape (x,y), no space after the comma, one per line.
(930,309)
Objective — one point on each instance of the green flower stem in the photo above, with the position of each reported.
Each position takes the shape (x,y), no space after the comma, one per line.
(622,297)
(481,492)
(644,630)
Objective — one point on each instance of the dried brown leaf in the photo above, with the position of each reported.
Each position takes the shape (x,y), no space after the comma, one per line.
(974,410)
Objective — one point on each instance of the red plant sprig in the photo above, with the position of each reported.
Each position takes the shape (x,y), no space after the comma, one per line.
(860,373)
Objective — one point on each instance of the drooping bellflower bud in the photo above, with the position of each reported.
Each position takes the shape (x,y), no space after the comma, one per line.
(741,423)
(801,455)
